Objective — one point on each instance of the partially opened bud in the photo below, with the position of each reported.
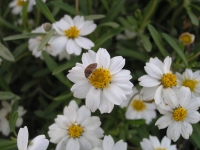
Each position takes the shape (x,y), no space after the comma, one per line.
(187,38)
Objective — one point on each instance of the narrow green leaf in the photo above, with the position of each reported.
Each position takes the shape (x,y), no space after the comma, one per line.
(157,39)
(3,84)
(132,54)
(13,121)
(126,24)
(194,19)
(7,145)
(23,36)
(28,85)
(6,95)
(104,38)
(173,44)
(20,49)
(64,67)
(25,14)
(5,53)
(146,42)
(136,122)
(114,10)
(94,17)
(52,66)
(63,97)
(194,138)
(46,39)
(9,25)
(111,24)
(45,10)
(64,6)
(105,4)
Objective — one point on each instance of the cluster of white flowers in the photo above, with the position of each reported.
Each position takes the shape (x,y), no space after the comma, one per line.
(103,83)
(17,5)
(177,96)
(5,113)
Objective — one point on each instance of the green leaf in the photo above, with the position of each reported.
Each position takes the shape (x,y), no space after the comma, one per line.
(63,97)
(67,65)
(23,36)
(6,95)
(45,10)
(194,19)
(157,39)
(52,66)
(64,6)
(9,25)
(194,138)
(105,37)
(136,122)
(173,44)
(7,145)
(146,42)
(46,39)
(131,53)
(126,24)
(114,10)
(94,17)
(111,24)
(28,85)
(13,121)
(5,53)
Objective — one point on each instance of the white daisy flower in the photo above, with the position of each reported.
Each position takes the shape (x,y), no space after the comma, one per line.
(154,144)
(34,43)
(38,143)
(5,115)
(191,80)
(138,109)
(64,55)
(70,32)
(17,6)
(103,77)
(125,103)
(180,112)
(159,79)
(76,129)
(109,144)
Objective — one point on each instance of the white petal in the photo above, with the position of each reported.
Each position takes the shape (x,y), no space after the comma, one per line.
(88,58)
(78,21)
(22,138)
(114,94)
(174,131)
(120,145)
(84,42)
(170,97)
(83,114)
(122,76)
(167,64)
(87,28)
(184,96)
(105,105)
(193,117)
(73,144)
(39,143)
(148,93)
(91,123)
(72,47)
(103,58)
(93,102)
(163,122)
(108,143)
(153,71)
(59,44)
(148,81)
(158,97)
(116,64)
(68,19)
(186,130)
(165,142)
(84,144)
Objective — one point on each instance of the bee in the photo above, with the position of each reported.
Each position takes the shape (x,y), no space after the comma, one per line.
(89,69)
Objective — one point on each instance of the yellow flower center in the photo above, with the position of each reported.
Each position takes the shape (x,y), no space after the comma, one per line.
(160,149)
(100,78)
(138,105)
(179,114)
(190,84)
(75,131)
(73,32)
(20,2)
(168,80)
(8,116)
(186,38)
